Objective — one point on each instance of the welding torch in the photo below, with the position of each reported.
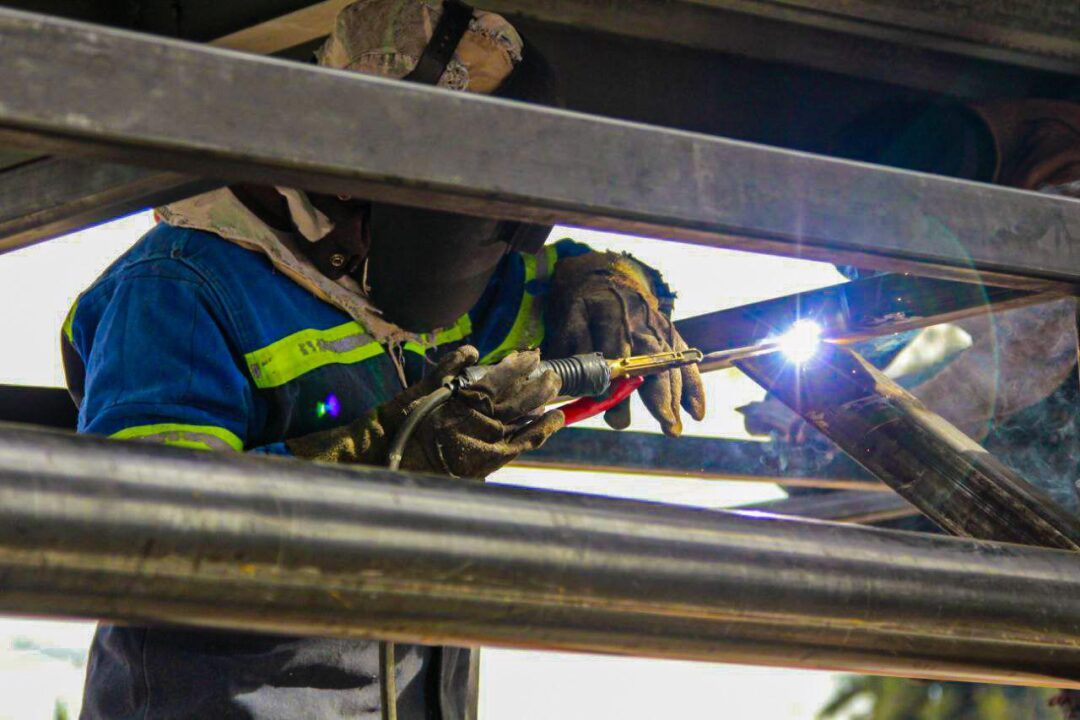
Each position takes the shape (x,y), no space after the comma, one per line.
(593,382)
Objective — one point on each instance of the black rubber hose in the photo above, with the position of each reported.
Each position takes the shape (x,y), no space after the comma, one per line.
(581,375)
(425,407)
(387,661)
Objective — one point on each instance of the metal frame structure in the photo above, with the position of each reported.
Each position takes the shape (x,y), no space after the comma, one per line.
(142,533)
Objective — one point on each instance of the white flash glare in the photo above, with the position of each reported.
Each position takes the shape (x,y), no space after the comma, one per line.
(801,341)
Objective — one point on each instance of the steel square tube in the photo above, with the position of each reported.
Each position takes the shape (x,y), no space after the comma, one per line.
(221,114)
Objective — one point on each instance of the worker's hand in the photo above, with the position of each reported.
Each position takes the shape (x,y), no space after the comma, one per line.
(612,304)
(488,424)
(477,431)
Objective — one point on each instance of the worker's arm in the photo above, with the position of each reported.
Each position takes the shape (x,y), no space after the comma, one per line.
(510,314)
(158,365)
(570,300)
(613,304)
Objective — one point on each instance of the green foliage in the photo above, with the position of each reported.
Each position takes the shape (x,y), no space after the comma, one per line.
(60,711)
(861,697)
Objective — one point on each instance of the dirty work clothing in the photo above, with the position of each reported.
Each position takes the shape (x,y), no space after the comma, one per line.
(190,340)
(474,432)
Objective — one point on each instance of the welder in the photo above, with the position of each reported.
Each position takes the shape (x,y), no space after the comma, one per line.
(274,320)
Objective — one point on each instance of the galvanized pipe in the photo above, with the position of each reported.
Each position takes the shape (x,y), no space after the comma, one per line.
(143,533)
(848,506)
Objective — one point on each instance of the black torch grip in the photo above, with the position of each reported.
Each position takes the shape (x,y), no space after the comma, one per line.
(581,375)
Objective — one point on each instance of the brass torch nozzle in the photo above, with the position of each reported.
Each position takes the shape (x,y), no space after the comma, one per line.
(638,365)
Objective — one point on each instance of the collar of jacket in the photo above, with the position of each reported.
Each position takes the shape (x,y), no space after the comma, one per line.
(220,212)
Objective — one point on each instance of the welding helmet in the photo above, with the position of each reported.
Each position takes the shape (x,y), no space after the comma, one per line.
(424,269)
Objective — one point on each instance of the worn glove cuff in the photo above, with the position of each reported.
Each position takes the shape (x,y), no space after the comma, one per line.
(653,280)
(363,441)
(623,269)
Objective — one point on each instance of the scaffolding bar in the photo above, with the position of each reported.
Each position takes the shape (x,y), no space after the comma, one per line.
(552,166)
(51,196)
(844,506)
(42,406)
(638,453)
(138,532)
(578,449)
(949,477)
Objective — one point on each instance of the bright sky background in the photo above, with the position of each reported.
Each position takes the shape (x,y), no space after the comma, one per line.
(39,284)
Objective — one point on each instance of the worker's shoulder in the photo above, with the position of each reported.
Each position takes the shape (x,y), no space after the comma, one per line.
(166,263)
(184,255)
(167,247)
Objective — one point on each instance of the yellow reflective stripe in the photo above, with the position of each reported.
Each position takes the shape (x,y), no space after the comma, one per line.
(527,332)
(199,437)
(69,323)
(307,350)
(458,331)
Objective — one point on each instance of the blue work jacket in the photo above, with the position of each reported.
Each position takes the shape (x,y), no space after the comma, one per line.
(193,341)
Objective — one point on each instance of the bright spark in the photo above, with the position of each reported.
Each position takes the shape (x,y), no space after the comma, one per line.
(800,343)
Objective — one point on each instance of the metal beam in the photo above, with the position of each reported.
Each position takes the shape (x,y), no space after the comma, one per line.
(551,167)
(571,449)
(576,449)
(51,197)
(786,108)
(961,58)
(9,159)
(1036,33)
(949,477)
(844,506)
(853,311)
(48,197)
(136,532)
(42,406)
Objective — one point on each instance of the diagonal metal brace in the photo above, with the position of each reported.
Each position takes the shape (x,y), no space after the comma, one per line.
(952,479)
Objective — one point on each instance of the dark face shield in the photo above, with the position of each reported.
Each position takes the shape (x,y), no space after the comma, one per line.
(427,268)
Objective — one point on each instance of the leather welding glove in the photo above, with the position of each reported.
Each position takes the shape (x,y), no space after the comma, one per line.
(612,304)
(476,432)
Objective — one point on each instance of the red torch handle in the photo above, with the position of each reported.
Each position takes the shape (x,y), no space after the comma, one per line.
(586,407)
